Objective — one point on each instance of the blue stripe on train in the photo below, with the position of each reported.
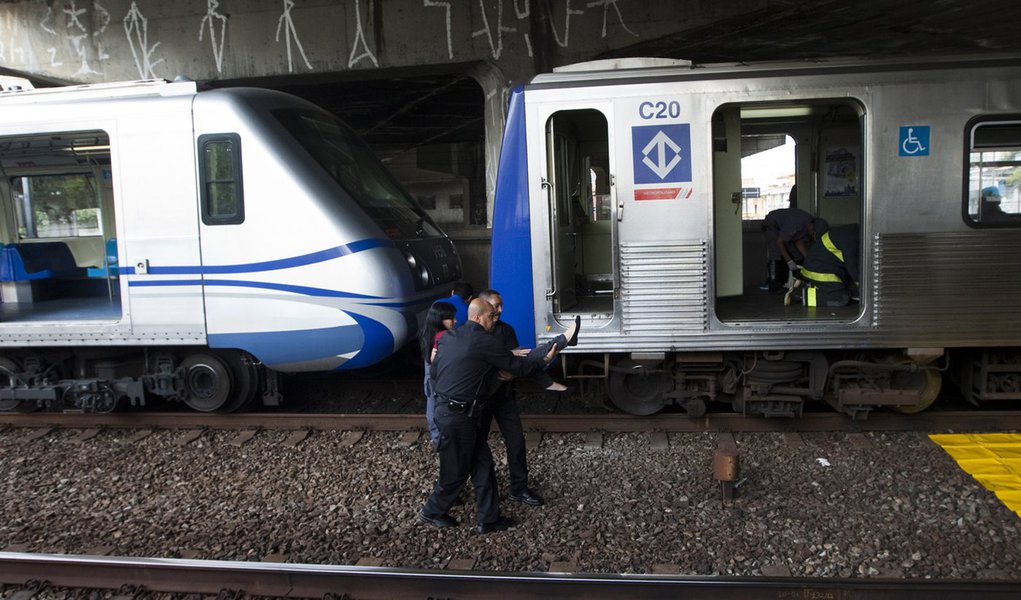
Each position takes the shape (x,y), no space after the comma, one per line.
(510,267)
(370,339)
(269,265)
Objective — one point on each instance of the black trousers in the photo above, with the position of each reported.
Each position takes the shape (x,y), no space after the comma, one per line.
(464,451)
(504,408)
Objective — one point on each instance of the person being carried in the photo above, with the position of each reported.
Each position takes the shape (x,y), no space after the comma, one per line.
(503,406)
(465,359)
(439,320)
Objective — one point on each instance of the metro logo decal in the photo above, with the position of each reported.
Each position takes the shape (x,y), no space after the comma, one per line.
(662,155)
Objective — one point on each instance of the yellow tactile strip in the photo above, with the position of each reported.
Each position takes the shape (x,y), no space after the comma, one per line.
(994,459)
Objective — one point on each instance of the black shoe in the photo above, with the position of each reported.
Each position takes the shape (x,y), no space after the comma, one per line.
(528,497)
(573,340)
(501,524)
(440,521)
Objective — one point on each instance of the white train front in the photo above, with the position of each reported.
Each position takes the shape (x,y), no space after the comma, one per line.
(158,239)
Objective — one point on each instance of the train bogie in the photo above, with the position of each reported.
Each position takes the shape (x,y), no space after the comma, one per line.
(629,192)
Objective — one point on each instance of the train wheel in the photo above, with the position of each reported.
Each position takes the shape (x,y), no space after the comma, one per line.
(246,380)
(927,382)
(7,370)
(207,382)
(633,391)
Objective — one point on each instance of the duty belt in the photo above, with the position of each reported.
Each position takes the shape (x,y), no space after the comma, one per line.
(454,405)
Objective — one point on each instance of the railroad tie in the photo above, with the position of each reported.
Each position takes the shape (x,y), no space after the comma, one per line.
(658,440)
(369,561)
(37,434)
(350,438)
(859,440)
(139,436)
(189,437)
(85,435)
(532,439)
(594,440)
(296,438)
(460,564)
(409,439)
(665,570)
(563,566)
(244,437)
(275,558)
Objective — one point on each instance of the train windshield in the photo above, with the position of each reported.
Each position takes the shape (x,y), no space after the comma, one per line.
(351,163)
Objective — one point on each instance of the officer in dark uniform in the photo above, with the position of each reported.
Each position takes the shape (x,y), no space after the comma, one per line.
(833,267)
(465,360)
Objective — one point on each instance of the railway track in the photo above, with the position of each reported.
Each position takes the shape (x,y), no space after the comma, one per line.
(132,576)
(927,422)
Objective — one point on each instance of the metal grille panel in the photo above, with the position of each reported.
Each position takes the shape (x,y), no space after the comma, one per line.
(663,287)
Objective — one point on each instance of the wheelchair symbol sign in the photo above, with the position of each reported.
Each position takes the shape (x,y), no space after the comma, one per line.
(914,141)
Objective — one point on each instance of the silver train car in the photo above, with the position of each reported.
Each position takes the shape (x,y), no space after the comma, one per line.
(161,240)
(621,198)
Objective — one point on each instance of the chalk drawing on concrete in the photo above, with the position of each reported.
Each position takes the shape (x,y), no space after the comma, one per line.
(47,26)
(13,53)
(287,24)
(563,43)
(80,47)
(214,19)
(360,39)
(606,4)
(522,12)
(495,46)
(136,28)
(104,21)
(446,5)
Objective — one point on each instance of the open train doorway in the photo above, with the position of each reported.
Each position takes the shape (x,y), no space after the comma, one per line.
(57,227)
(787,171)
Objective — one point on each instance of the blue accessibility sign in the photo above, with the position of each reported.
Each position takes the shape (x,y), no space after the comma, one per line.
(914,141)
(662,153)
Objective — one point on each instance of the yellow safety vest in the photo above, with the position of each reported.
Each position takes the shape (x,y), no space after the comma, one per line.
(825,277)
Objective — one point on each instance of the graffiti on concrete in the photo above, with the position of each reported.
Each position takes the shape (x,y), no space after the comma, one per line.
(287,24)
(136,28)
(213,19)
(445,5)
(360,39)
(606,4)
(71,38)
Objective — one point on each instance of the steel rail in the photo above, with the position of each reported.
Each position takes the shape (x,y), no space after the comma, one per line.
(928,422)
(315,581)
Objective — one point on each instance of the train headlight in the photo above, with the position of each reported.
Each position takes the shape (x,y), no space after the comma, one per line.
(423,275)
(411,260)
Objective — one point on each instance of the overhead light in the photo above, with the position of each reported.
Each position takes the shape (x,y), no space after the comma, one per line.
(775,112)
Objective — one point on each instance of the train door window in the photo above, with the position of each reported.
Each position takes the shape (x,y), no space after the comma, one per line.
(803,158)
(993,178)
(581,223)
(220,174)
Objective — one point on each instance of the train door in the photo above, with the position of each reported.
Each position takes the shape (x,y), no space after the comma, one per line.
(813,146)
(581,216)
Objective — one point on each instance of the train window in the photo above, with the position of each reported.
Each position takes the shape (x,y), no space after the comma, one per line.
(220,175)
(350,163)
(993,179)
(56,206)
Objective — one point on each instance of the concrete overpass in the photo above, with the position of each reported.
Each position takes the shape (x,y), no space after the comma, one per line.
(426,81)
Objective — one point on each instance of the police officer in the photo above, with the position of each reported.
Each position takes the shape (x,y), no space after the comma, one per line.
(833,267)
(465,360)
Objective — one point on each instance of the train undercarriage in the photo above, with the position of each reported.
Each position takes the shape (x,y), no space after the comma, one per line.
(782,383)
(98,380)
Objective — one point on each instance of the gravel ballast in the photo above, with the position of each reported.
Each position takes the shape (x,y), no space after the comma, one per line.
(816,505)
